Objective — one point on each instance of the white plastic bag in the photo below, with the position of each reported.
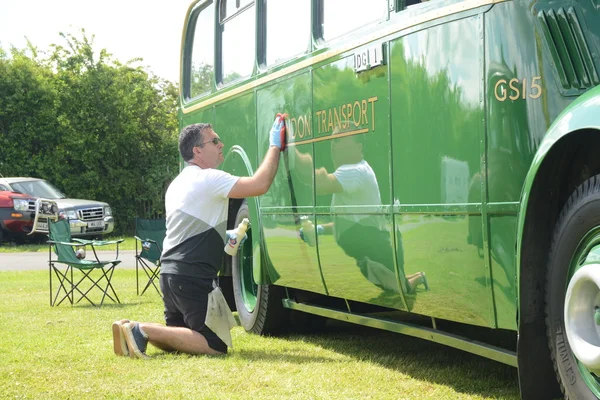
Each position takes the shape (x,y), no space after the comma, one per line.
(219,317)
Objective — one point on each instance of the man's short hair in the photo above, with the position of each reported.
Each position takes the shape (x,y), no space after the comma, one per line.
(191,136)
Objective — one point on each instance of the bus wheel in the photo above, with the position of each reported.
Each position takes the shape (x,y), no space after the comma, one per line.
(573,294)
(259,306)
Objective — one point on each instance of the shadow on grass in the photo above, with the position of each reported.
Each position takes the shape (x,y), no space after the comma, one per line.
(88,306)
(417,358)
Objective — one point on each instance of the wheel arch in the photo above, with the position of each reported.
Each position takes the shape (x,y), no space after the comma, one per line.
(238,163)
(564,160)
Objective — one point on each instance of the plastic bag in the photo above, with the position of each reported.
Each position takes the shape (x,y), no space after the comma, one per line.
(219,317)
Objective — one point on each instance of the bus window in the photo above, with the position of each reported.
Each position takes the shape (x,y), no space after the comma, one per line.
(342,16)
(201,68)
(287,37)
(238,27)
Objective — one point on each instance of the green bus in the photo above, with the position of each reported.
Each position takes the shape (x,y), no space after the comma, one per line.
(440,179)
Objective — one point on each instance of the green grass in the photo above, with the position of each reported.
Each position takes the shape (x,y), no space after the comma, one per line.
(66,352)
(127,244)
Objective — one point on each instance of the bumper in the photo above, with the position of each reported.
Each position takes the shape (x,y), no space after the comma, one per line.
(91,228)
(81,228)
(19,222)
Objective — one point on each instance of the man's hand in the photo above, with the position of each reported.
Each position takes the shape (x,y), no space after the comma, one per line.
(277,135)
(231,235)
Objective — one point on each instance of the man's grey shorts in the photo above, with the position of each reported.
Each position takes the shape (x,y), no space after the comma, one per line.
(186,302)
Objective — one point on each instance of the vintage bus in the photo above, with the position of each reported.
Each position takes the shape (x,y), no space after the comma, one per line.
(441,176)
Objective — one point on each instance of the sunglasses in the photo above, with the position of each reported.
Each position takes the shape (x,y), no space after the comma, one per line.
(214,141)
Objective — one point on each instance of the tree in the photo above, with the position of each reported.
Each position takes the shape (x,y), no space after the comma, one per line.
(95,127)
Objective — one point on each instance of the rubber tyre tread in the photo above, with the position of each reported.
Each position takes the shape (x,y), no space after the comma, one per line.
(580,213)
(269,317)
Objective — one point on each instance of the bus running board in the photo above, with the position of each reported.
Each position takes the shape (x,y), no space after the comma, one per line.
(448,339)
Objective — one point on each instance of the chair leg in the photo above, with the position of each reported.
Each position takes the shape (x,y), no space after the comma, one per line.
(62,280)
(137,278)
(109,285)
(152,276)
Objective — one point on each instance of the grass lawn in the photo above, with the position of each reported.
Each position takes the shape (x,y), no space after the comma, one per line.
(66,352)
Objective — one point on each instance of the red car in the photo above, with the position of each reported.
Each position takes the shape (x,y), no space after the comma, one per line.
(17,212)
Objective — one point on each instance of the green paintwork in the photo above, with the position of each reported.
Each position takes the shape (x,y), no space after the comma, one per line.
(446,164)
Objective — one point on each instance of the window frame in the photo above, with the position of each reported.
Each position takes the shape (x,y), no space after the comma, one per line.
(219,42)
(188,52)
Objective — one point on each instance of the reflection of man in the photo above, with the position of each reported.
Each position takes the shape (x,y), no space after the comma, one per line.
(355,195)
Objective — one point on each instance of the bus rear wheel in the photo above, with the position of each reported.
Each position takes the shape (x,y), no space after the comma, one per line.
(573,293)
(259,306)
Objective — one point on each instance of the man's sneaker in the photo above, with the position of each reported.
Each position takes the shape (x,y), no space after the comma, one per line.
(136,341)
(119,343)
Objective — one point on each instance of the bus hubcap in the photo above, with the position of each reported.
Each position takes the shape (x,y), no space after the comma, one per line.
(582,316)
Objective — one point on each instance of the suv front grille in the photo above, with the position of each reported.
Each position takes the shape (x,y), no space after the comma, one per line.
(31,205)
(91,213)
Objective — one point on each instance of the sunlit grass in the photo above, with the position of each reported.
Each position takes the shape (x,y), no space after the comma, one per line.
(66,352)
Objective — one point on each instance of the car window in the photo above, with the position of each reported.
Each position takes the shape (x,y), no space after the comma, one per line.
(2,187)
(38,189)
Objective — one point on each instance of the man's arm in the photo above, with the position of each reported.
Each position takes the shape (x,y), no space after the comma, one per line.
(326,183)
(259,183)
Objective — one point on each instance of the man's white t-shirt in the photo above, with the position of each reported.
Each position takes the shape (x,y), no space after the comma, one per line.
(196,204)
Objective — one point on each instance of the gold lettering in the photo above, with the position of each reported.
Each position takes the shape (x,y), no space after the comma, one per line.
(329,121)
(514,88)
(344,122)
(294,126)
(300,127)
(307,126)
(503,95)
(317,114)
(336,117)
(536,86)
(356,114)
(364,120)
(349,105)
(372,100)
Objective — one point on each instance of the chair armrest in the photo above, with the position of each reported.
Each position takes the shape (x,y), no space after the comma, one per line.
(144,240)
(83,241)
(104,243)
(67,243)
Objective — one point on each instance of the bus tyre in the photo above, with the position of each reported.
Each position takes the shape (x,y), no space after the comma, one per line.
(259,306)
(576,232)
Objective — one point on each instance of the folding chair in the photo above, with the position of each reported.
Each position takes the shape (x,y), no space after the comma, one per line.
(150,234)
(64,250)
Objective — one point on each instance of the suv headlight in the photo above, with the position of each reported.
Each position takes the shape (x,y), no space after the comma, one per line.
(107,211)
(71,214)
(21,204)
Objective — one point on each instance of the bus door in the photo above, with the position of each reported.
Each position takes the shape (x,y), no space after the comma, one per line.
(288,207)
(438,137)
(353,180)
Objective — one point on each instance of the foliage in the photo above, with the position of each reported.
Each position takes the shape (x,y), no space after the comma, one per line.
(93,126)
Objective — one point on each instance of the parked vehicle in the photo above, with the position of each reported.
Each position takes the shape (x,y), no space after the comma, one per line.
(442,170)
(17,211)
(86,217)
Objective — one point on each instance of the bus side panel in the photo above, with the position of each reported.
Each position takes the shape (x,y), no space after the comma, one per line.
(290,197)
(352,117)
(235,123)
(523,99)
(437,135)
(206,115)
